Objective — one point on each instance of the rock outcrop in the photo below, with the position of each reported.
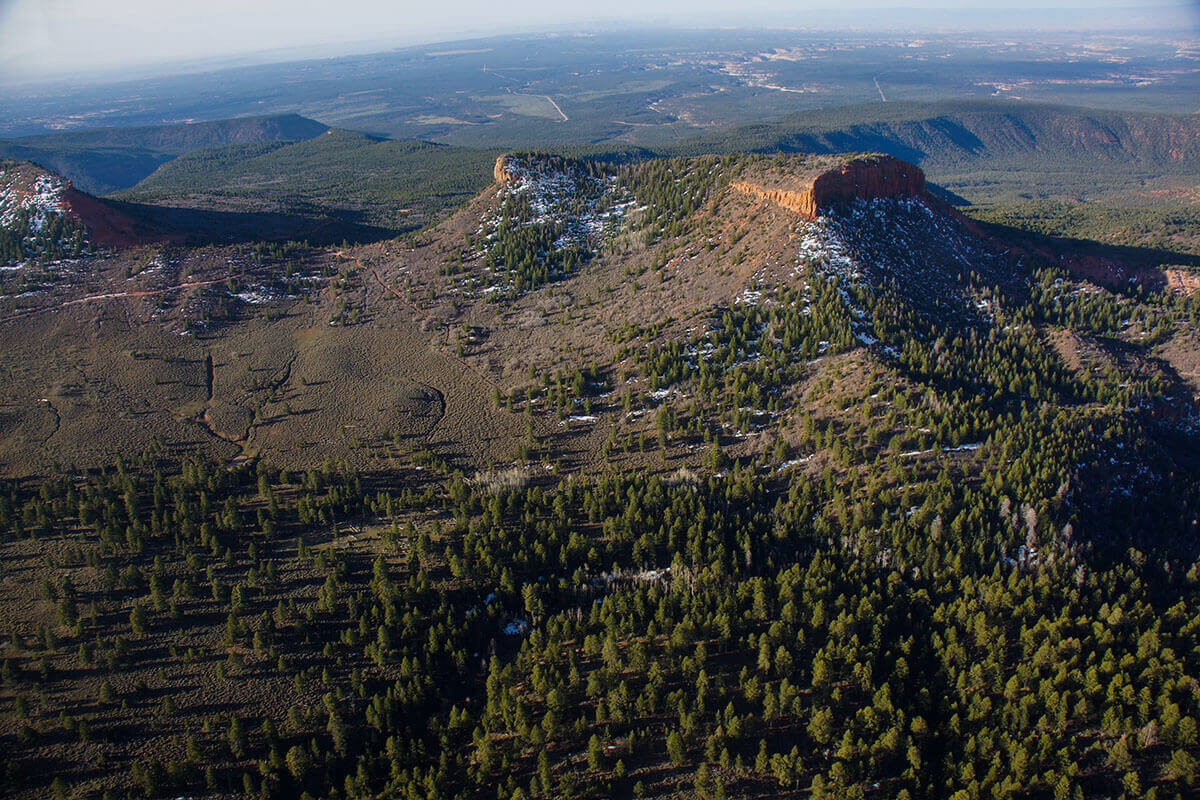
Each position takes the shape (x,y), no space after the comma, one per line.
(864,178)
(868,179)
(504,171)
(800,202)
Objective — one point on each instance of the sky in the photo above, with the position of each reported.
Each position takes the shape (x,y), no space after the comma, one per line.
(81,39)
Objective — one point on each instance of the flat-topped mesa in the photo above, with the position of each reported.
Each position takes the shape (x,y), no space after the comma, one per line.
(824,182)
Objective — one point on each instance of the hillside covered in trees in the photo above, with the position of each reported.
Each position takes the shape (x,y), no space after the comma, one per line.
(713,477)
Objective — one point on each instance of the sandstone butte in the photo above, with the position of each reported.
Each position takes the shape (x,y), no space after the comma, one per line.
(820,183)
(809,184)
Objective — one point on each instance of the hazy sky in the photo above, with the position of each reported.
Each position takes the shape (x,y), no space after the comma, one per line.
(41,38)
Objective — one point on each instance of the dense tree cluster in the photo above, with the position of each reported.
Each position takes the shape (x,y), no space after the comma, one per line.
(672,190)
(541,231)
(58,236)
(750,634)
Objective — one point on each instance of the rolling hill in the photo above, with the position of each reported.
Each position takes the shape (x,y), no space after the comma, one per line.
(398,184)
(44,219)
(102,160)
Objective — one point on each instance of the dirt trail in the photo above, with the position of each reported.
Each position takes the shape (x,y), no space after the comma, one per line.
(93,298)
(208,425)
(550,100)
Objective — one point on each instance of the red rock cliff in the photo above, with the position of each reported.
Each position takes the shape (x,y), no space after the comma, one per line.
(867,179)
(800,202)
(862,179)
(26,185)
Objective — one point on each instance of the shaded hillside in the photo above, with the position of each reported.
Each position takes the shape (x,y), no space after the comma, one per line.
(1171,228)
(102,160)
(396,184)
(993,149)
(45,219)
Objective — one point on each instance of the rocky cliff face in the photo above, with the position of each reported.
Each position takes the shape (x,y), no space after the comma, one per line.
(505,170)
(868,179)
(862,179)
(801,202)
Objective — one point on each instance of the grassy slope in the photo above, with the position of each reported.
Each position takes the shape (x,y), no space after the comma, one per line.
(332,364)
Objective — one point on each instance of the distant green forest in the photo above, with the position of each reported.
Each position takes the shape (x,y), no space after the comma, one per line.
(396,184)
(102,160)
(1031,164)
(1162,228)
(978,151)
